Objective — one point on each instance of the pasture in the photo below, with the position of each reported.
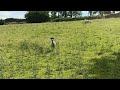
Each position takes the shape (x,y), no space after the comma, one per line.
(83,51)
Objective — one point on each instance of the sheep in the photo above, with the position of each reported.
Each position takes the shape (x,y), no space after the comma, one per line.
(87,21)
(53,43)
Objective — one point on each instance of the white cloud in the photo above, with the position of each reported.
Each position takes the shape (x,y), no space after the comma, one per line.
(12,14)
(5,13)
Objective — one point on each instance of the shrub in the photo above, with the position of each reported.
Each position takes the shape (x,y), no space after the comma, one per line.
(36,17)
(74,19)
(113,15)
(1,22)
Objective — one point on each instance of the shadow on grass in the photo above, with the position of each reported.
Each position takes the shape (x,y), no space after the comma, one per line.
(107,67)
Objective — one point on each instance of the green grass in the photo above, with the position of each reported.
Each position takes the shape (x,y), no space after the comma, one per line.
(83,51)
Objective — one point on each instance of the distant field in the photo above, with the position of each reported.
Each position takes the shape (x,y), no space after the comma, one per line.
(83,51)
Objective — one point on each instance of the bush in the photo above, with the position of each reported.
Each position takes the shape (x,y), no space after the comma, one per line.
(14,21)
(1,22)
(74,19)
(113,15)
(37,17)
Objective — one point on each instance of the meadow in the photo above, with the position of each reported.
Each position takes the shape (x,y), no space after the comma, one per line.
(83,51)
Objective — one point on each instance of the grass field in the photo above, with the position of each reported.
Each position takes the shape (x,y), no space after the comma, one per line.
(83,51)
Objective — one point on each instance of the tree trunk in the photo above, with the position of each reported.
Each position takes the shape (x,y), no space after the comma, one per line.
(90,12)
(71,14)
(113,11)
(65,13)
(101,13)
(58,14)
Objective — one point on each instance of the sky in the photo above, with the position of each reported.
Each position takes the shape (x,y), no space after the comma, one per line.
(20,14)
(12,14)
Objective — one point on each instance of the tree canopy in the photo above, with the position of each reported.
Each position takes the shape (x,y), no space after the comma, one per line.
(37,16)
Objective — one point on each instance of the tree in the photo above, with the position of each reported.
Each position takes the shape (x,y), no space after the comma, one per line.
(113,11)
(71,13)
(90,12)
(37,16)
(53,14)
(101,13)
(107,12)
(14,20)
(74,14)
(77,14)
(58,13)
(63,14)
(1,22)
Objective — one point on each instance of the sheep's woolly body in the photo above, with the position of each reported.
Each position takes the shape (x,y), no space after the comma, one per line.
(53,43)
(87,21)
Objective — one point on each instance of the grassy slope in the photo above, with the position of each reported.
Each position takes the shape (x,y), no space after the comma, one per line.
(83,50)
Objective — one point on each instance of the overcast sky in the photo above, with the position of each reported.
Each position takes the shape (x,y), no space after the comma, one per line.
(19,14)
(12,14)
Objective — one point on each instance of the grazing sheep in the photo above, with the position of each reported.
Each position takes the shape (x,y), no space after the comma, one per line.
(53,43)
(87,21)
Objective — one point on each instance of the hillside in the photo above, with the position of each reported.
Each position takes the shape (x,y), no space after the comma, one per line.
(83,51)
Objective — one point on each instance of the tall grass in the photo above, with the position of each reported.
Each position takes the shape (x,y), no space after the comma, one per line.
(83,51)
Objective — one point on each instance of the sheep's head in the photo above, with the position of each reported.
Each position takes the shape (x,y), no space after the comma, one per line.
(52,38)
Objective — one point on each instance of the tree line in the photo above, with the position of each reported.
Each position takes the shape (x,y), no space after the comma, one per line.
(101,13)
(45,16)
(11,20)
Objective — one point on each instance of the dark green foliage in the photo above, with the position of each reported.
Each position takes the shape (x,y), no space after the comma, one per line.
(113,15)
(14,20)
(74,19)
(65,14)
(37,16)
(53,14)
(1,22)
(107,12)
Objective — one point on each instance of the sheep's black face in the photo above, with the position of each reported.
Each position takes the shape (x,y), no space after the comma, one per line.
(52,38)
